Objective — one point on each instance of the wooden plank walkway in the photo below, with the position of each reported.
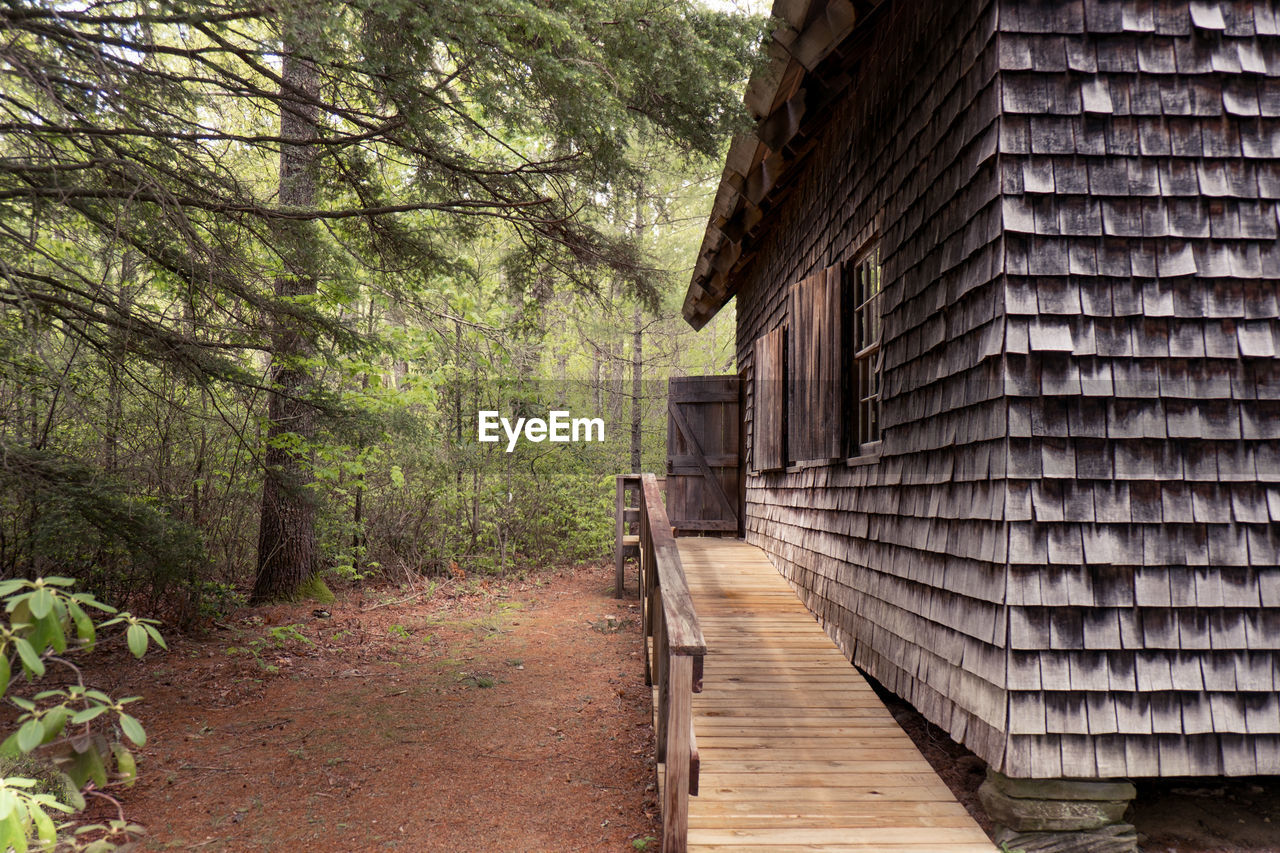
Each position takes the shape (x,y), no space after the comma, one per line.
(797,751)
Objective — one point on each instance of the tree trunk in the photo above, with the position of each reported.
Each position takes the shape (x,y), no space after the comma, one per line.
(597,379)
(638,354)
(358,538)
(637,363)
(456,456)
(287,556)
(615,354)
(119,348)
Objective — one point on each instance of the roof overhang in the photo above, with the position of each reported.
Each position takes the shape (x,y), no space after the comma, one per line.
(779,95)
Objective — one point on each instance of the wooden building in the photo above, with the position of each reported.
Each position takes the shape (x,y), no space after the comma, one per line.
(1007,280)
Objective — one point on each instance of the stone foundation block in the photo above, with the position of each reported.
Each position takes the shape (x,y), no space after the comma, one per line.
(1118,838)
(1062,789)
(1060,815)
(1050,815)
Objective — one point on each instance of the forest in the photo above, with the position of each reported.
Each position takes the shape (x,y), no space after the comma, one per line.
(262,265)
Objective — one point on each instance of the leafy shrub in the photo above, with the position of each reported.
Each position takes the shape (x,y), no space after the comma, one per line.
(69,741)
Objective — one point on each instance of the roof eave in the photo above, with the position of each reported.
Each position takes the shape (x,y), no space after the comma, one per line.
(810,32)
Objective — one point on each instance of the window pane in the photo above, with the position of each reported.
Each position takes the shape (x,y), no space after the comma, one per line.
(864,359)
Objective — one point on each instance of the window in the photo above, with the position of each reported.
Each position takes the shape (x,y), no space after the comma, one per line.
(817,383)
(865,359)
(768,438)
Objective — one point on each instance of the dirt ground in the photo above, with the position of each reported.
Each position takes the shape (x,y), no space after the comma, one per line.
(483,717)
(1208,815)
(479,716)
(1171,815)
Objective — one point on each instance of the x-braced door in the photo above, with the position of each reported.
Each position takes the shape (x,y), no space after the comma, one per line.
(704,471)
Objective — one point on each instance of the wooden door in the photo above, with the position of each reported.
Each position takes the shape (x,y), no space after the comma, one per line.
(704,471)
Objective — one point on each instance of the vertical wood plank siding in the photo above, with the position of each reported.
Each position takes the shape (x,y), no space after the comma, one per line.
(814,431)
(770,448)
(704,420)
(1068,555)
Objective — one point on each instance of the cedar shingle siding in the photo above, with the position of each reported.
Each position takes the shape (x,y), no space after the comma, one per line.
(1068,554)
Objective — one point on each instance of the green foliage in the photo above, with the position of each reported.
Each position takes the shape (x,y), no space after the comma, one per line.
(275,638)
(46,777)
(213,600)
(78,517)
(68,740)
(475,240)
(254,649)
(282,635)
(315,589)
(481,680)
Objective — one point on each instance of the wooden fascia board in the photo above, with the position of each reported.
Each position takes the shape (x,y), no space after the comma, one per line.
(811,31)
(783,123)
(726,258)
(821,36)
(794,12)
(764,177)
(763,86)
(741,153)
(692,299)
(746,217)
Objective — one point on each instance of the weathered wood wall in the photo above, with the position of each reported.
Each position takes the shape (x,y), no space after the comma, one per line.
(1068,553)
(905,560)
(1139,169)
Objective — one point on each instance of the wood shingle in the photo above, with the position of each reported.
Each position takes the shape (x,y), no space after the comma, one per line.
(1066,552)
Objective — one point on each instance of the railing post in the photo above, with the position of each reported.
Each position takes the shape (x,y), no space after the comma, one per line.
(675,799)
(619,532)
(662,677)
(646,584)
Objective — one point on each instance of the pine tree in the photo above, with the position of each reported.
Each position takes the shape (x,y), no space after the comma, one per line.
(398,128)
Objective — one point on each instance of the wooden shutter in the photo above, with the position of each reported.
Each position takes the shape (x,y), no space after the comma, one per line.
(815,429)
(768,439)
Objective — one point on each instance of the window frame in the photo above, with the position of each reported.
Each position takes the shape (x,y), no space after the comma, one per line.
(863,408)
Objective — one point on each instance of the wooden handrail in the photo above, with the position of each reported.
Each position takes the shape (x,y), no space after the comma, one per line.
(675,664)
(683,632)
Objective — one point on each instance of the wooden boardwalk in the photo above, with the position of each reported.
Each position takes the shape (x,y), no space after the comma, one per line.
(797,752)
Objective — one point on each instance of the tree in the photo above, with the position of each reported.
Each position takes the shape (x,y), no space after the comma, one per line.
(403,129)
(287,524)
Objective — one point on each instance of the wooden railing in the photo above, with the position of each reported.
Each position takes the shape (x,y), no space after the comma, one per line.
(627,516)
(674,663)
